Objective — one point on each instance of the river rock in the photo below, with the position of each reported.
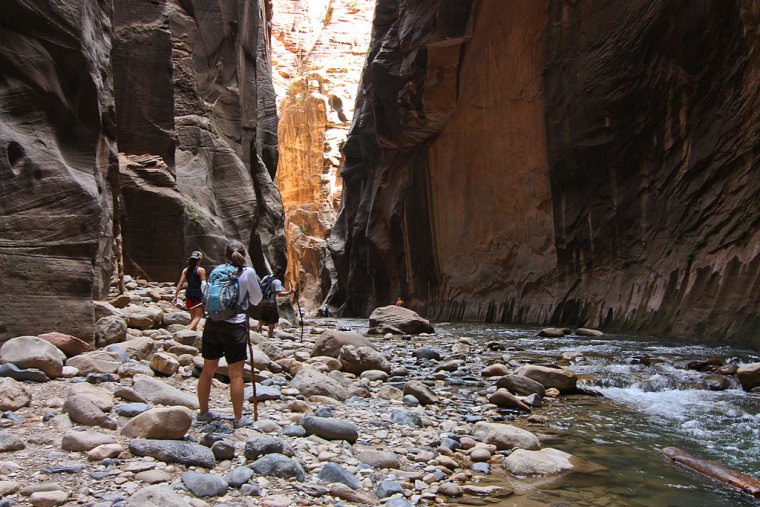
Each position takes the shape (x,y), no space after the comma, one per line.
(552,332)
(239,476)
(373,375)
(102,398)
(332,472)
(33,352)
(406,418)
(168,423)
(157,391)
(331,428)
(13,395)
(105,451)
(423,393)
(359,359)
(157,496)
(505,436)
(379,459)
(10,370)
(69,345)
(132,409)
(584,331)
(174,451)
(261,446)
(398,318)
(560,379)
(749,375)
(504,399)
(451,489)
(495,370)
(140,348)
(110,329)
(142,317)
(279,465)
(153,476)
(426,353)
(179,348)
(547,461)
(330,342)
(182,318)
(129,394)
(84,440)
(521,385)
(188,337)
(83,411)
(204,485)
(717,383)
(40,486)
(97,361)
(164,363)
(48,498)
(340,490)
(107,309)
(133,368)
(388,488)
(310,382)
(387,392)
(10,442)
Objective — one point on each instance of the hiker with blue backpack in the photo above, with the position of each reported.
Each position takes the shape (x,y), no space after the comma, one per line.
(230,289)
(266,312)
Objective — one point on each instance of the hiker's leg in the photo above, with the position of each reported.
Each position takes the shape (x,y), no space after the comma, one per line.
(237,388)
(271,329)
(196,314)
(204,383)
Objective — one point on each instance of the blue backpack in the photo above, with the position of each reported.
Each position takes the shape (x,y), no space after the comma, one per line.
(222,293)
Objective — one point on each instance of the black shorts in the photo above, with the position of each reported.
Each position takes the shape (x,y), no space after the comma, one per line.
(222,338)
(267,313)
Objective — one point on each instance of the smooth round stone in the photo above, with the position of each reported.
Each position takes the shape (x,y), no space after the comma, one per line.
(204,485)
(261,446)
(294,431)
(480,454)
(132,409)
(410,401)
(239,476)
(250,490)
(324,412)
(223,450)
(279,465)
(482,468)
(332,472)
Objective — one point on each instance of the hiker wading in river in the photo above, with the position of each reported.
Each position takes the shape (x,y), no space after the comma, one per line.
(231,288)
(195,276)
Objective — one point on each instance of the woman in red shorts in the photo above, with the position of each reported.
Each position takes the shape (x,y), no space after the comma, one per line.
(195,275)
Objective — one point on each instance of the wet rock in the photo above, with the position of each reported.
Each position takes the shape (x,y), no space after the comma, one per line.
(584,331)
(310,382)
(749,376)
(573,356)
(330,342)
(563,380)
(84,440)
(504,399)
(727,369)
(174,451)
(402,319)
(157,496)
(388,488)
(169,423)
(48,498)
(83,411)
(13,395)
(10,442)
(164,363)
(110,329)
(261,446)
(132,409)
(158,391)
(332,472)
(379,459)
(344,492)
(105,451)
(33,352)
(279,465)
(239,476)
(406,418)
(545,462)
(359,359)
(10,370)
(97,361)
(69,345)
(331,428)
(423,393)
(717,383)
(204,485)
(426,353)
(505,436)
(521,385)
(387,392)
(552,332)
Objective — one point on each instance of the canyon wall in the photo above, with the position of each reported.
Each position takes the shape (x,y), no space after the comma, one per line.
(318,49)
(58,164)
(575,163)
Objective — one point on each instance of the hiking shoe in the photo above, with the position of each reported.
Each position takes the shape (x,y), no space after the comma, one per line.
(206,417)
(242,422)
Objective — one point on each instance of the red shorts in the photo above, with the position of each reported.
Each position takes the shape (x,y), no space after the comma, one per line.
(189,303)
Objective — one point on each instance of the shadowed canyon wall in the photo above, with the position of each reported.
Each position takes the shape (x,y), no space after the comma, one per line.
(558,162)
(185,86)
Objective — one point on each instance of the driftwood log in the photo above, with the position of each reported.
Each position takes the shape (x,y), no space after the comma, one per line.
(714,470)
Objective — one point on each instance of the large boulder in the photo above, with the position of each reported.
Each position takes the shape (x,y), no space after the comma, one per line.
(110,329)
(158,391)
(97,361)
(166,423)
(83,411)
(13,395)
(102,398)
(140,348)
(547,461)
(563,380)
(330,342)
(143,317)
(164,363)
(505,436)
(69,345)
(33,352)
(174,451)
(749,375)
(358,359)
(421,392)
(518,384)
(310,382)
(397,317)
(84,440)
(331,428)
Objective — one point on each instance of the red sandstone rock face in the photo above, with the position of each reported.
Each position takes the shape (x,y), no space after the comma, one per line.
(57,164)
(565,162)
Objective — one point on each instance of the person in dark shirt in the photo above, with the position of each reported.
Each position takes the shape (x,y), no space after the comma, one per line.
(195,276)
(266,311)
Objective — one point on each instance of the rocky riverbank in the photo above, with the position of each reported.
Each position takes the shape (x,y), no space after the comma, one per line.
(345,418)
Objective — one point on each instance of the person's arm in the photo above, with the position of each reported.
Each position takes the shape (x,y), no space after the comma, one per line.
(202,274)
(180,285)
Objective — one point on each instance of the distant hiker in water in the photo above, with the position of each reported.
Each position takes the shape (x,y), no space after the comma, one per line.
(195,276)
(231,288)
(266,312)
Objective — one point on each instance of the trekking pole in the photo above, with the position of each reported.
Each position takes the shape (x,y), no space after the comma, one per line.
(253,369)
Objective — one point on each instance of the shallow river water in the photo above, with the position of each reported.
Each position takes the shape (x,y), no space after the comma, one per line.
(642,410)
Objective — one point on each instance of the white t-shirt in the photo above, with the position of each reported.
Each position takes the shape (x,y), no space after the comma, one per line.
(249,284)
(276,286)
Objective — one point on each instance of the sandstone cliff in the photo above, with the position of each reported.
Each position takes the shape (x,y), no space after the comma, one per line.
(550,161)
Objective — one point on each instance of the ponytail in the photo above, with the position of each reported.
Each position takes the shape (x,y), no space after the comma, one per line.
(236,254)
